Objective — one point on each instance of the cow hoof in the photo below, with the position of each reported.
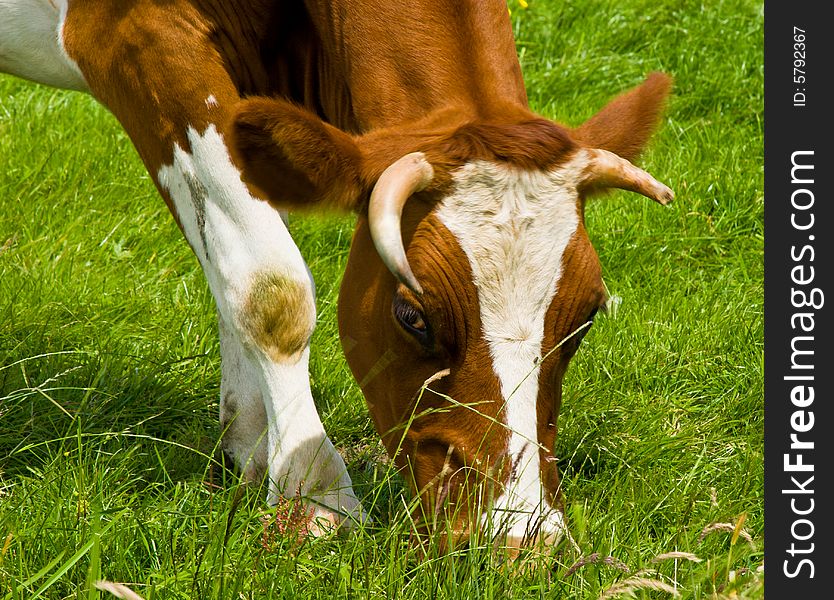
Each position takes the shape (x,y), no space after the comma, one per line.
(313,516)
(325,522)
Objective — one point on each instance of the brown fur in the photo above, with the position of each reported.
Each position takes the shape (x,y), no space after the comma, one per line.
(317,99)
(301,162)
(295,157)
(626,123)
(425,431)
(347,168)
(581,293)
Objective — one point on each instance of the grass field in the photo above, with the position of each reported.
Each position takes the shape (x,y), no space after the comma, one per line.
(109,360)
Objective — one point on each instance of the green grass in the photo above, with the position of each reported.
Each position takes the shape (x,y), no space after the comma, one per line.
(109,361)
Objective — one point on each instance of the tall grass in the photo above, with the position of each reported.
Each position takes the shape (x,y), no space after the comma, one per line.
(109,363)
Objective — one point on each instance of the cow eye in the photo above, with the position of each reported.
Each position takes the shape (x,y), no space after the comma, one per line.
(411,319)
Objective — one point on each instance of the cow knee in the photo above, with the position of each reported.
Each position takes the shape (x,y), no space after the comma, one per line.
(278,314)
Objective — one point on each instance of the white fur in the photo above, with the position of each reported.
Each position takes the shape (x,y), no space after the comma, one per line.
(242,407)
(239,235)
(236,236)
(32,46)
(514,227)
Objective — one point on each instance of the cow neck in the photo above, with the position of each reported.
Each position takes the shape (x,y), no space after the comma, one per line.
(400,66)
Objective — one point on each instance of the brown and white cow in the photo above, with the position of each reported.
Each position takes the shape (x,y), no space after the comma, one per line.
(471,277)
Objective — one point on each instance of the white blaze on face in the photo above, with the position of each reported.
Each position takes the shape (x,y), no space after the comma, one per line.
(514,227)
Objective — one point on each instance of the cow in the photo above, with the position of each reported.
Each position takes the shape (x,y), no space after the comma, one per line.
(471,278)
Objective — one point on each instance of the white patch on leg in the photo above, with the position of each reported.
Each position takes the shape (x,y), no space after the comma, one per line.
(242,409)
(514,227)
(241,242)
(32,43)
(304,460)
(234,235)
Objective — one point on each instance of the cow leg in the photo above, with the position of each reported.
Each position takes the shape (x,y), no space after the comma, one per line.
(264,295)
(272,429)
(265,298)
(242,408)
(166,81)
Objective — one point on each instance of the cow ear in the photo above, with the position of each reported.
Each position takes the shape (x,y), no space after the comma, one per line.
(295,158)
(625,124)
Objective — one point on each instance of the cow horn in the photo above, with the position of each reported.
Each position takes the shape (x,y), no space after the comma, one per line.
(606,169)
(411,173)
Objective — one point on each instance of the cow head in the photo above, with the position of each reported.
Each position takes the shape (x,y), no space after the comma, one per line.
(470,283)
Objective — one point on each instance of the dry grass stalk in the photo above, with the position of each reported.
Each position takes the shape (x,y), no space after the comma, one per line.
(596,559)
(729,527)
(637,582)
(737,529)
(675,555)
(119,590)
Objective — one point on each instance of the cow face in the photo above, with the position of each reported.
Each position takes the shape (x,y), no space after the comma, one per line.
(463,375)
(470,282)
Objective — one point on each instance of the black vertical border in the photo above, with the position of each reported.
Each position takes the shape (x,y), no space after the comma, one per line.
(788,129)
